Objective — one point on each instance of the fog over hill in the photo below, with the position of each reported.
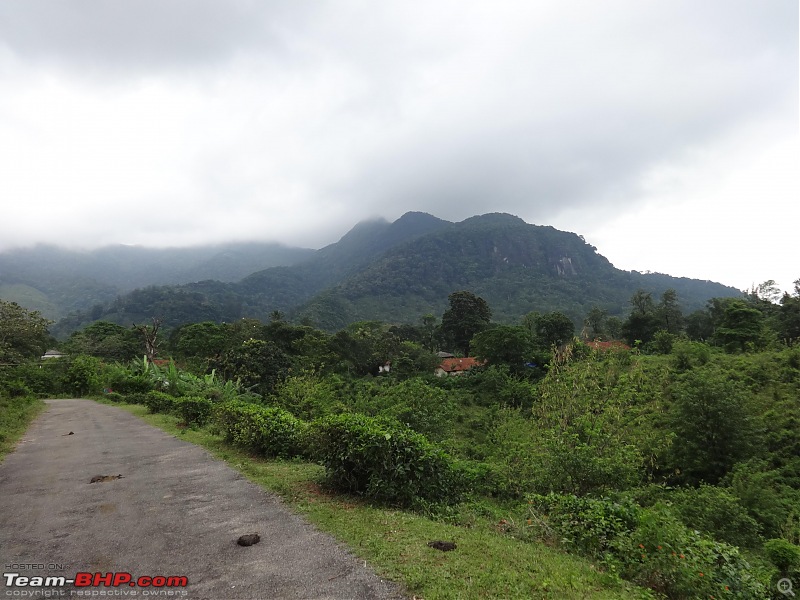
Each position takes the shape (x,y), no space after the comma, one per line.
(390,271)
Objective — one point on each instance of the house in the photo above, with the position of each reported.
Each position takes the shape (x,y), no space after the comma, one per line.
(456,366)
(52,354)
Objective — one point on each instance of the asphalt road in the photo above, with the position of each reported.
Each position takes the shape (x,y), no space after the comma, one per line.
(176,511)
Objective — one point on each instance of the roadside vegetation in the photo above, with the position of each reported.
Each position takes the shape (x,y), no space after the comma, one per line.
(655,457)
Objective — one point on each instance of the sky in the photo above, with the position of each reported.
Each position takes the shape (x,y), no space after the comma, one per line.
(665,133)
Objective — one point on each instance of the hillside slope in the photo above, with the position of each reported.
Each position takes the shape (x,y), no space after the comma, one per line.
(397,272)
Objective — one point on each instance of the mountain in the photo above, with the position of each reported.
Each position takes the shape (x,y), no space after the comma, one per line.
(516,267)
(397,272)
(58,281)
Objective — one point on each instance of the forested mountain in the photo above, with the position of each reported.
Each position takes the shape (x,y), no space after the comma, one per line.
(57,281)
(397,272)
(515,266)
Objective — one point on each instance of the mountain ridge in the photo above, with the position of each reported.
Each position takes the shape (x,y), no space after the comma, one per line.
(397,272)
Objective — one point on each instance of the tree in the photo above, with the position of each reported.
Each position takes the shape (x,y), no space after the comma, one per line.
(643,321)
(105,340)
(594,323)
(504,344)
(200,340)
(789,316)
(150,337)
(468,314)
(713,426)
(669,312)
(257,364)
(741,326)
(23,333)
(553,329)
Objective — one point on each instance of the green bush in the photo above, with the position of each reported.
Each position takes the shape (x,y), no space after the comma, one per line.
(784,555)
(663,554)
(270,431)
(114,397)
(159,402)
(717,512)
(136,398)
(385,461)
(82,377)
(194,409)
(15,388)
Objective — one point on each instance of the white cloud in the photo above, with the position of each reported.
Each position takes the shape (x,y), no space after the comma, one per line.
(190,122)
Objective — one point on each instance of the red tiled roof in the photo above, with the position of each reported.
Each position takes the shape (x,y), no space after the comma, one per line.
(451,365)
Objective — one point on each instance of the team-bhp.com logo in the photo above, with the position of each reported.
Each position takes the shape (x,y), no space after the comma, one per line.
(89,580)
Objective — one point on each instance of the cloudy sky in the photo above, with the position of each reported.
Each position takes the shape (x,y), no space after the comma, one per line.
(664,132)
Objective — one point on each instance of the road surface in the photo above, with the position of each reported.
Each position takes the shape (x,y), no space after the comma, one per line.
(176,512)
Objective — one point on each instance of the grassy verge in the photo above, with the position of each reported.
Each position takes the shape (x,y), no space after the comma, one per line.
(486,564)
(16,415)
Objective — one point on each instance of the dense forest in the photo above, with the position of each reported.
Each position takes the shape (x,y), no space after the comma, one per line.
(664,445)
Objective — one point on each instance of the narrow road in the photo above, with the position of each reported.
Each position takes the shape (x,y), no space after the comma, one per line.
(176,511)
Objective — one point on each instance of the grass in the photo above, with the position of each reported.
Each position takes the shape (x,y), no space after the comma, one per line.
(16,415)
(487,563)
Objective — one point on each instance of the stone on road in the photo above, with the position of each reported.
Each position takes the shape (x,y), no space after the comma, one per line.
(176,511)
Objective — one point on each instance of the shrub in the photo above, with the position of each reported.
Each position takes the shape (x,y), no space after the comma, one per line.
(114,397)
(15,388)
(136,398)
(270,431)
(130,384)
(385,461)
(784,555)
(159,402)
(663,554)
(194,409)
(587,524)
(717,512)
(81,377)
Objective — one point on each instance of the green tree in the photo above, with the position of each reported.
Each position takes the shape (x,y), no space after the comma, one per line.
(105,340)
(468,314)
(713,425)
(553,329)
(200,340)
(23,333)
(789,316)
(257,364)
(669,312)
(740,327)
(504,344)
(643,322)
(595,323)
(82,377)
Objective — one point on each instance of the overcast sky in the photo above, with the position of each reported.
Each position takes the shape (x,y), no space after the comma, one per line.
(665,132)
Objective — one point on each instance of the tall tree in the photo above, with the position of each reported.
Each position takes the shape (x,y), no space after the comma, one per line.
(789,316)
(504,344)
(150,337)
(669,312)
(594,323)
(23,333)
(740,327)
(468,314)
(550,329)
(643,321)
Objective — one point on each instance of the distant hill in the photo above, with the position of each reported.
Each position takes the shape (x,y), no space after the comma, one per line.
(397,272)
(57,281)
